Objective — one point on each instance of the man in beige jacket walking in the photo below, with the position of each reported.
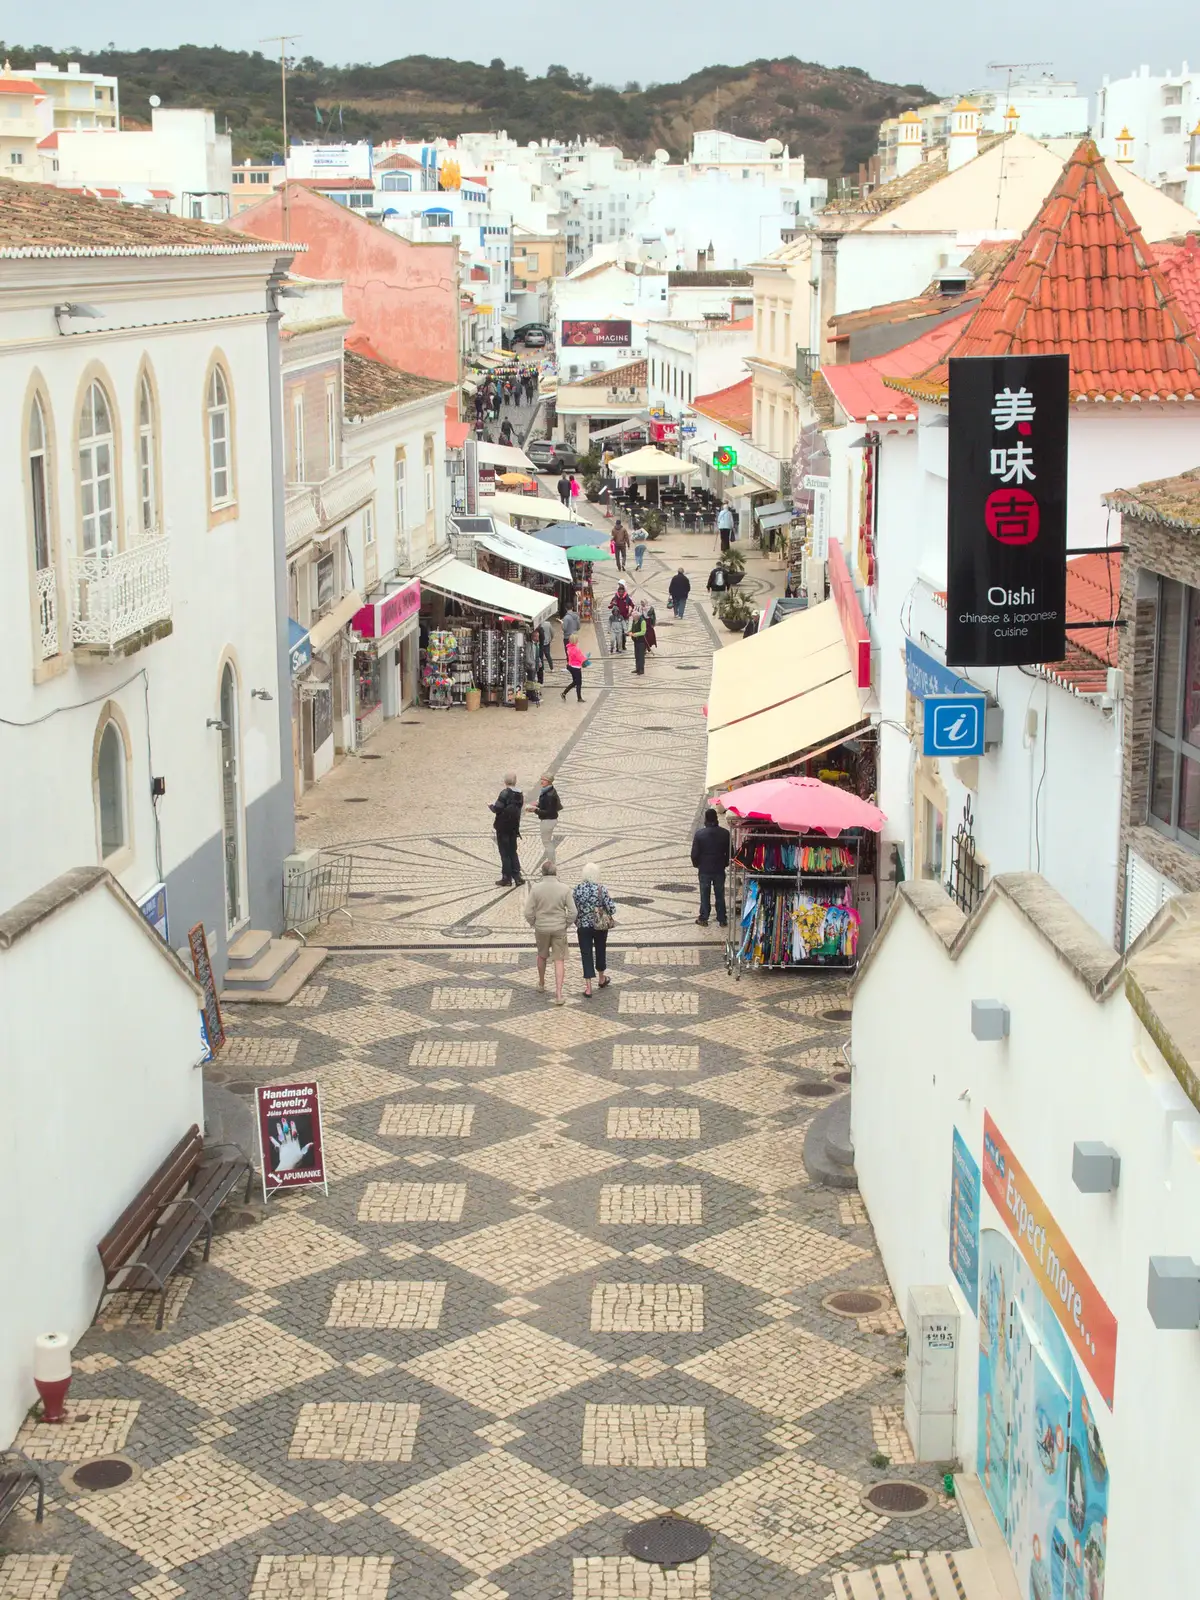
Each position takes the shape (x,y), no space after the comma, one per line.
(550,911)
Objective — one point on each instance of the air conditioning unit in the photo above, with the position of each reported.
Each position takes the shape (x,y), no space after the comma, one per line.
(301,900)
(573,370)
(597,366)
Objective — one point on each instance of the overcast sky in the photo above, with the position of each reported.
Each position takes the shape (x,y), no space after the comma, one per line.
(947,47)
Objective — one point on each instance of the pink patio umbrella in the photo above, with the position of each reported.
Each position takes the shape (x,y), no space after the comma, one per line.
(804,805)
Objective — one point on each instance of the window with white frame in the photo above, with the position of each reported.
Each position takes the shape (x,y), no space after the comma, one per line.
(39,485)
(96,486)
(428,466)
(220,441)
(147,458)
(298,438)
(111,791)
(1175,743)
(368,525)
(401,479)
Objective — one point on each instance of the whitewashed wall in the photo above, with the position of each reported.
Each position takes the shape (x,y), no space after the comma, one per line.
(1072,1069)
(93,1095)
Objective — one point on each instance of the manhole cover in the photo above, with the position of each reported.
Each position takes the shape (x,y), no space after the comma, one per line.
(687,669)
(354,799)
(636,900)
(302,817)
(106,1472)
(841,1077)
(898,1499)
(465,933)
(658,727)
(667,1541)
(838,1014)
(370,758)
(853,1303)
(817,1088)
(396,899)
(672,888)
(241,1088)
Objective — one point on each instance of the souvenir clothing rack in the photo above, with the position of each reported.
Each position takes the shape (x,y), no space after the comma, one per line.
(792,900)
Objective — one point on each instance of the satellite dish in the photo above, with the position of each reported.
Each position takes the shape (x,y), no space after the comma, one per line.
(155,100)
(774,147)
(661,158)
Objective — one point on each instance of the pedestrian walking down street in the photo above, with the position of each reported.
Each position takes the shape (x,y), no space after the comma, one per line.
(576,491)
(595,914)
(678,590)
(710,857)
(576,661)
(506,432)
(637,632)
(506,808)
(548,809)
(570,623)
(620,544)
(726,526)
(620,609)
(564,490)
(545,638)
(550,911)
(651,624)
(717,584)
(639,548)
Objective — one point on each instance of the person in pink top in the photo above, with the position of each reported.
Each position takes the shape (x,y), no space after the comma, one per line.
(576,661)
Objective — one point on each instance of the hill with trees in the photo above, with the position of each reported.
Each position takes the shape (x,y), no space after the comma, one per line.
(830,114)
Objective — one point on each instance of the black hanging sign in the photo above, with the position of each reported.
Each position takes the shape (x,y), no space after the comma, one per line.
(1007,514)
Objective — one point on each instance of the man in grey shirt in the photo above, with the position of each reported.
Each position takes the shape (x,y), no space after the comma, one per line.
(570,625)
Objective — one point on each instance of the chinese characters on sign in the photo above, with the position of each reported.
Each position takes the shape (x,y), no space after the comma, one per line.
(1007,512)
(290,1141)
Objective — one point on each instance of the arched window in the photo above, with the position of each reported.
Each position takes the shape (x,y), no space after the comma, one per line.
(147,462)
(96,488)
(397,181)
(39,485)
(111,789)
(220,442)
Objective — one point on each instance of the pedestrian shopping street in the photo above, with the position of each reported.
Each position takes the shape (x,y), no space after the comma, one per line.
(571,1271)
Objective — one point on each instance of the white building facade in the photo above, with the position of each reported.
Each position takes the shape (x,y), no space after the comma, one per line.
(182,164)
(1159,114)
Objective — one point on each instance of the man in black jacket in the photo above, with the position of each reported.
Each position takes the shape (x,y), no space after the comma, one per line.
(710,857)
(506,809)
(678,590)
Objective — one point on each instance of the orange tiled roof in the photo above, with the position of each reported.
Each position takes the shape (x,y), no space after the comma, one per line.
(733,406)
(398,163)
(19,86)
(1181,267)
(372,386)
(1083,280)
(630,376)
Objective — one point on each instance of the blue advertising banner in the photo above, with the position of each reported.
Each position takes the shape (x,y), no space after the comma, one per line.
(964,1220)
(925,675)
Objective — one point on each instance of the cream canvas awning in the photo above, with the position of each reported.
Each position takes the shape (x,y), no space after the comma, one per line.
(504,455)
(538,506)
(327,628)
(650,462)
(785,691)
(456,578)
(510,544)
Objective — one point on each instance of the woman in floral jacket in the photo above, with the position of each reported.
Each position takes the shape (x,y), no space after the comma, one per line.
(594,913)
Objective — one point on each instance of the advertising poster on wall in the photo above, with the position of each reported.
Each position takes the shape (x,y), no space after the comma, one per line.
(290,1138)
(964,1219)
(1085,1318)
(595,334)
(1006,519)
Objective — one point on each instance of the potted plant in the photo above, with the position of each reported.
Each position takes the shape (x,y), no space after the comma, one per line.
(589,463)
(734,563)
(591,489)
(734,611)
(653,523)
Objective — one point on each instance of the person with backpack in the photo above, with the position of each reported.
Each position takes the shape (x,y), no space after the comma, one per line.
(547,810)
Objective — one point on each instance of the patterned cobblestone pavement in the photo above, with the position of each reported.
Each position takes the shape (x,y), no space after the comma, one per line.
(569,1273)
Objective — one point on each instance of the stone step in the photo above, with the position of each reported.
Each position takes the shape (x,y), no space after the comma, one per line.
(298,963)
(953,1575)
(272,963)
(248,948)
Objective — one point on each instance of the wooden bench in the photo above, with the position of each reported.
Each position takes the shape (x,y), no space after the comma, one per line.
(166,1217)
(17,1476)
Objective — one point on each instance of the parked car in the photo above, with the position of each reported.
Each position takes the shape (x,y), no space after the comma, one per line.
(535,339)
(551,455)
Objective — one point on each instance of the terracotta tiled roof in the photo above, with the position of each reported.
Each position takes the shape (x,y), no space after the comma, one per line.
(373,386)
(398,163)
(859,386)
(50,142)
(897,190)
(39,221)
(1173,502)
(710,280)
(1084,281)
(733,406)
(631,376)
(18,86)
(1180,262)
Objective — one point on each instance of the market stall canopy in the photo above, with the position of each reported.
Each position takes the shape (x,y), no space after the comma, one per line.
(457,580)
(563,534)
(503,455)
(803,805)
(327,628)
(780,695)
(587,552)
(743,491)
(651,462)
(543,507)
(510,544)
(517,480)
(620,430)
(774,519)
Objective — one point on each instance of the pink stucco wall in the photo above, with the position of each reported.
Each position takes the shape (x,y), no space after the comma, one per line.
(402,296)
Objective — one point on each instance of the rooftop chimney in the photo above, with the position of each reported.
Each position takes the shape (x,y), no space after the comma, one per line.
(964,134)
(1125,148)
(909,147)
(1011,118)
(1191,194)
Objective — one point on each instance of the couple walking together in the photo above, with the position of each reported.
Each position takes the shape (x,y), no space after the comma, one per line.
(551,909)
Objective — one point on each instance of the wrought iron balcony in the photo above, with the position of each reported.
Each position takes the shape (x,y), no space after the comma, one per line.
(46,593)
(807,362)
(121,599)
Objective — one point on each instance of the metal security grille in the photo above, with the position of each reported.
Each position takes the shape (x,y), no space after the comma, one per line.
(968,875)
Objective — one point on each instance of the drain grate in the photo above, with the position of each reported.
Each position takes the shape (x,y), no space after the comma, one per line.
(853,1303)
(668,1541)
(354,799)
(816,1088)
(106,1472)
(838,1014)
(898,1499)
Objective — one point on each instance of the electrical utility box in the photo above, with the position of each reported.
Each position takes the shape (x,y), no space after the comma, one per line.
(931,1371)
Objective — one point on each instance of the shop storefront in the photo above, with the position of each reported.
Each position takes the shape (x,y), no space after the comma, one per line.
(479,638)
(387,631)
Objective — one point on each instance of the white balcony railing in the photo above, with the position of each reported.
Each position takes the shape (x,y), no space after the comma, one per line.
(311,507)
(46,591)
(119,595)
